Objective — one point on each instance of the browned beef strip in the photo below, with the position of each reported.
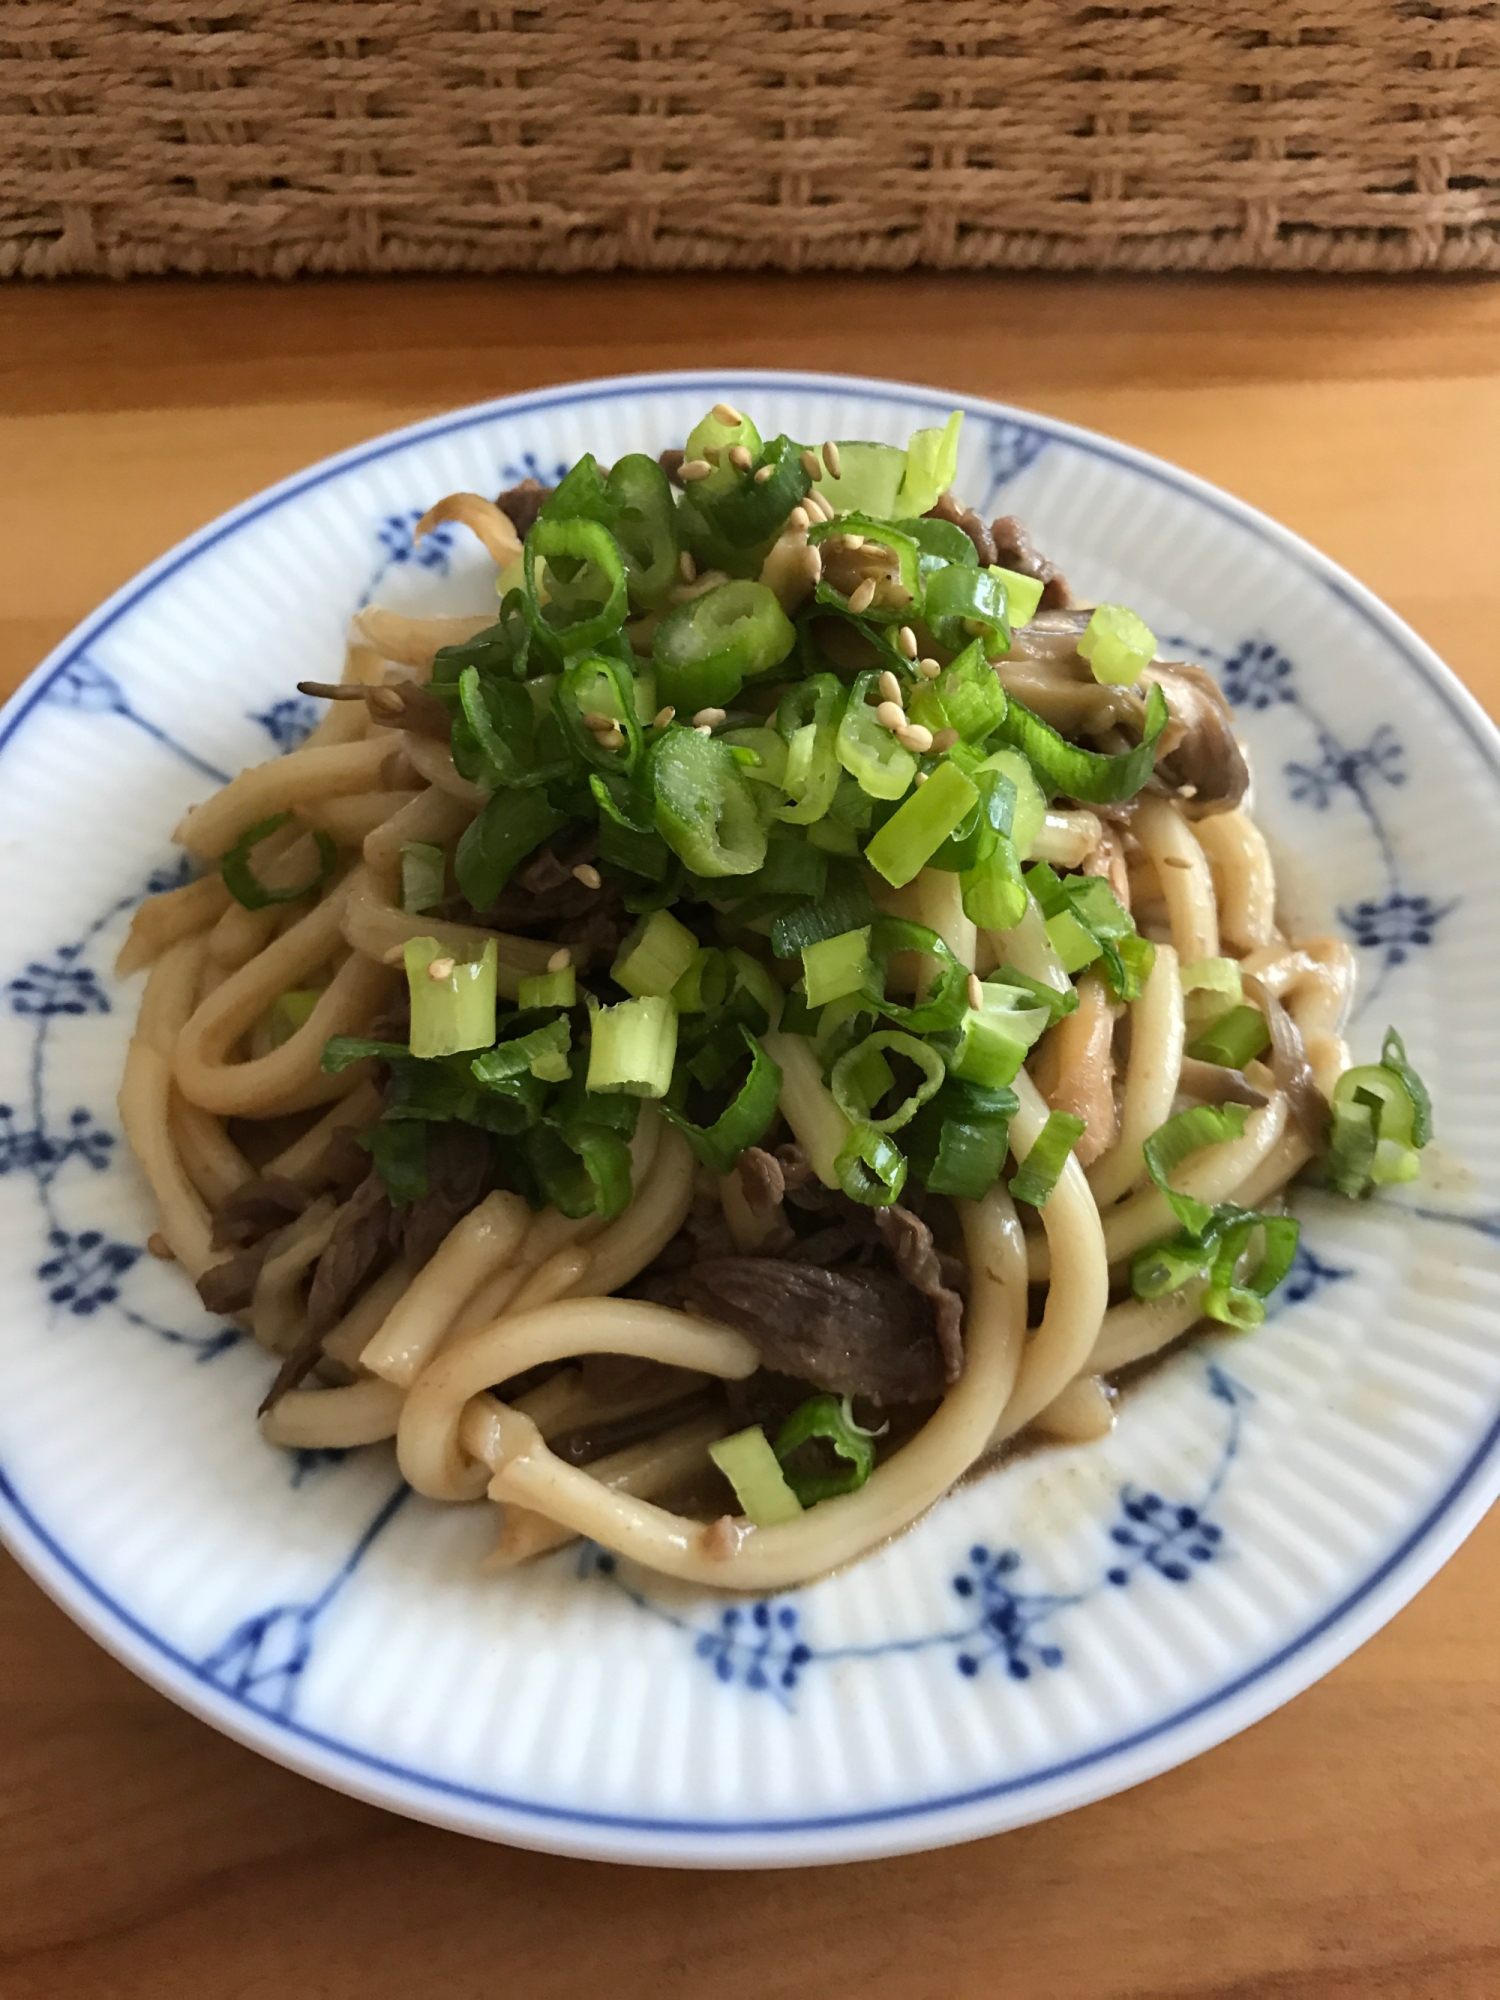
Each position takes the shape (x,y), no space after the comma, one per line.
(357,1251)
(909,1241)
(1014,549)
(762,1179)
(254,1209)
(344,1161)
(523,503)
(394,704)
(855,1333)
(948,509)
(544,898)
(459,1162)
(591,1441)
(229,1287)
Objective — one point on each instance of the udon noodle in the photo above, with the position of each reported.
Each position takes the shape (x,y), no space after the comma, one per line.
(613,1320)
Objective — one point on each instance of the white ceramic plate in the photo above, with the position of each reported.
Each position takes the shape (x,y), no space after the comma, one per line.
(1048,1635)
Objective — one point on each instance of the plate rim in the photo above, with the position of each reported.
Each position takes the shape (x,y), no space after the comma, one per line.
(1093,1774)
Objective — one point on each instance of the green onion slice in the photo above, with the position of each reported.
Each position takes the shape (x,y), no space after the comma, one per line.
(868,750)
(245,886)
(831,1419)
(862,1076)
(705,650)
(807,719)
(633,1046)
(498,839)
(542,1053)
(754,1471)
(1087,774)
(586,597)
(1382,1118)
(1189,1132)
(1117,645)
(423,875)
(870,1168)
(705,807)
(1233,1040)
(452,998)
(903,549)
(1038,1173)
(958,1141)
(913,834)
(743,1122)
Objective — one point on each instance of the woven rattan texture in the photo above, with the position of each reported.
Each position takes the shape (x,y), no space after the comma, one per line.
(277,136)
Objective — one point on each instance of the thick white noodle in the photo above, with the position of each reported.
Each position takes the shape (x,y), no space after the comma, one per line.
(1183,874)
(478,1245)
(333,1419)
(1138,1327)
(263,790)
(807,1103)
(1243,877)
(1156,1037)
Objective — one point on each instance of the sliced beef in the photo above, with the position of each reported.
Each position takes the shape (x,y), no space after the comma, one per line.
(762,1178)
(459,1166)
(544,898)
(393,704)
(591,1441)
(344,1161)
(941,1280)
(1014,549)
(358,1248)
(229,1287)
(523,503)
(854,1333)
(948,509)
(255,1209)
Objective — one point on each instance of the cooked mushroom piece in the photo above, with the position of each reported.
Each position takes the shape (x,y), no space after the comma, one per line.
(1199,758)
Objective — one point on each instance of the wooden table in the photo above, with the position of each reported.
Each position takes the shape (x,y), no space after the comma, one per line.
(1349,1846)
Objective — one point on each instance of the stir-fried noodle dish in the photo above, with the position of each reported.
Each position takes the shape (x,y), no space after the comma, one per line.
(705,1057)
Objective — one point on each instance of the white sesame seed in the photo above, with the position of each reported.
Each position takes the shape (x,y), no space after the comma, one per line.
(1177,861)
(592,719)
(740,458)
(441,969)
(818,506)
(831,460)
(890,688)
(922,777)
(695,468)
(711,716)
(728,414)
(928,669)
(662,717)
(976,991)
(395,956)
(863,595)
(945,739)
(688,567)
(560,960)
(906,639)
(588,875)
(703,729)
(1187,791)
(852,542)
(764,474)
(897,596)
(891,715)
(811,465)
(915,737)
(797,521)
(610,739)
(812,561)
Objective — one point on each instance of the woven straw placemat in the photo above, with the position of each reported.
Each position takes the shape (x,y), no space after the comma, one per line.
(275,136)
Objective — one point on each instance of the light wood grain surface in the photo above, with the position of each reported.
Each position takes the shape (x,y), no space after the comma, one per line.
(1348,1847)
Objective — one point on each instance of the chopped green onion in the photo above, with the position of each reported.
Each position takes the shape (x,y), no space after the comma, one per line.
(1210,987)
(705,807)
(1022,594)
(493,732)
(966,696)
(452,998)
(862,1077)
(744,1121)
(958,1141)
(913,834)
(869,481)
(289,1011)
(1087,774)
(1117,645)
(1215,1253)
(543,1054)
(493,845)
(1189,1132)
(585,1170)
(586,598)
(1382,1118)
(424,869)
(831,1419)
(398,1153)
(1085,921)
(845,906)
(905,588)
(869,1168)
(835,966)
(645,528)
(995,1038)
(946,997)
(702,988)
(598,685)
(1038,1173)
(767,754)
(657,953)
(246,887)
(807,718)
(633,1046)
(868,750)
(1029,809)
(1233,1040)
(705,650)
(754,1471)
(956,601)
(1059,1001)
(339,1051)
(549,989)
(931,466)
(1074,946)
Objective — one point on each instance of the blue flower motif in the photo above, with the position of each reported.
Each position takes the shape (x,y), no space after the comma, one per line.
(1161,1536)
(84,684)
(1008,1618)
(530,467)
(1010,448)
(61,986)
(1308,1275)
(1340,769)
(305,1461)
(84,1270)
(172,875)
(288,722)
(395,536)
(1255,675)
(36,1150)
(758,1644)
(1395,924)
